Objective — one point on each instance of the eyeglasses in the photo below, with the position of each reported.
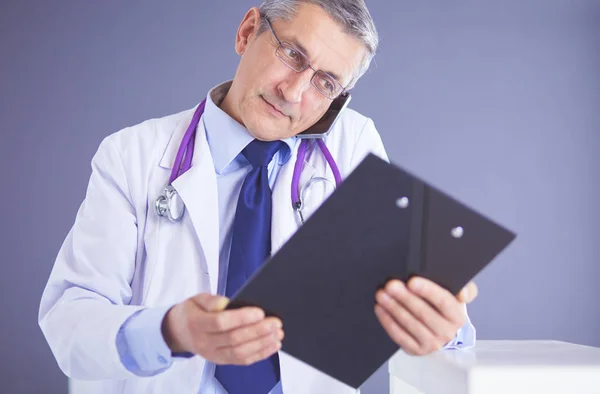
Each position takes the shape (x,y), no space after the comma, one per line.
(292,57)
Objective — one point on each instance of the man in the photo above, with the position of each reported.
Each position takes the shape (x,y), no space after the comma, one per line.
(135,303)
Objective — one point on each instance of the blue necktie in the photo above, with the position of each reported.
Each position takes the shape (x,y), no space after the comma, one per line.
(250,246)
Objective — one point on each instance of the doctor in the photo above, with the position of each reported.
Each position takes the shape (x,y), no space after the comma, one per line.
(134,303)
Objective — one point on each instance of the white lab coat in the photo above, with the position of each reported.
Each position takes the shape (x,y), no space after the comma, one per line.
(120,257)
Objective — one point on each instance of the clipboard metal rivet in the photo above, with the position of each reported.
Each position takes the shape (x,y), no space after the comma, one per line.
(402,202)
(457,232)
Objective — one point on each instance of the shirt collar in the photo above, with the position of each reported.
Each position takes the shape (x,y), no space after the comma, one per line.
(226,137)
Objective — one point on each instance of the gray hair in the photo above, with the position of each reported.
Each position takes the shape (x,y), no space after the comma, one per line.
(352,15)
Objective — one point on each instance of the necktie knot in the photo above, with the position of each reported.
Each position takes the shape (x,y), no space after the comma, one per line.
(260,153)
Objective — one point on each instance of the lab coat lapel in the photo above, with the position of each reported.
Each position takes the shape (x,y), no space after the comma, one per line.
(198,189)
(284,221)
(297,376)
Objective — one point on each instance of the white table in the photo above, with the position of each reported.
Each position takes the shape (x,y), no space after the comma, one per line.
(500,367)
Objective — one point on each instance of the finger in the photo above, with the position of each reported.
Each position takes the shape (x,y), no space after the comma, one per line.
(426,339)
(397,333)
(468,293)
(421,310)
(248,333)
(211,303)
(440,298)
(251,352)
(216,322)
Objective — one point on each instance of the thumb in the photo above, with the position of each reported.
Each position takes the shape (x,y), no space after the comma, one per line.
(468,293)
(211,303)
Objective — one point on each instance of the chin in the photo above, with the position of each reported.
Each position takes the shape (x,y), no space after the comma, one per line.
(266,129)
(265,134)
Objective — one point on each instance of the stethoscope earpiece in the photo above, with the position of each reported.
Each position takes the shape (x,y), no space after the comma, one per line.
(299,205)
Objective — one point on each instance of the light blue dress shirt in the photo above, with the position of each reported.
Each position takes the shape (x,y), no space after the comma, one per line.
(140,343)
(141,346)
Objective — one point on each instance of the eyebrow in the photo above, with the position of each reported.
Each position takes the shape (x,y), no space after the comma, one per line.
(297,44)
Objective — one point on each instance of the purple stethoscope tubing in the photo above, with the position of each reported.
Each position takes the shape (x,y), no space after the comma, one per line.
(296,202)
(183,160)
(187,145)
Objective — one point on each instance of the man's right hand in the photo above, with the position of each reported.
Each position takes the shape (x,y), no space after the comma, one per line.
(200,325)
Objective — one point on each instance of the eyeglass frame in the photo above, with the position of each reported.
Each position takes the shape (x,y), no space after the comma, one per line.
(308,64)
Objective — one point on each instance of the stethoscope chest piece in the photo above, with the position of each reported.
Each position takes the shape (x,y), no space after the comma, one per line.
(170,204)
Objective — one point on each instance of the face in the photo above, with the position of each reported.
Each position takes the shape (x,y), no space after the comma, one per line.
(272,101)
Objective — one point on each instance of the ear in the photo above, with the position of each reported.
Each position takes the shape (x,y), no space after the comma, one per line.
(247,30)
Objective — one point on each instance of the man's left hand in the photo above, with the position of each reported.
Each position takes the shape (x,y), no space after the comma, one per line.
(422,317)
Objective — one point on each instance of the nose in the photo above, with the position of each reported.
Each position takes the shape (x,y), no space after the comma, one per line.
(295,85)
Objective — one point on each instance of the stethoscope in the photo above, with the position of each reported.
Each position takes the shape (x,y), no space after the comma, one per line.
(171,205)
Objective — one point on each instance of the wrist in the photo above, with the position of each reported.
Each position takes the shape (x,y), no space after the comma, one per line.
(169,331)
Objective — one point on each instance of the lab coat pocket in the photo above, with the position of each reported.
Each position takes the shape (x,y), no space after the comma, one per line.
(184,376)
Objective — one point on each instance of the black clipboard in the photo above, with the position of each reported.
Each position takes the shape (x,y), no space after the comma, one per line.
(381,223)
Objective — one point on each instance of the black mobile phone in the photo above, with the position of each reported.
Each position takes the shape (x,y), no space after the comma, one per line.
(327,121)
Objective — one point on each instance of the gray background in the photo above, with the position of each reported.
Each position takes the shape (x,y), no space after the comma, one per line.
(496,102)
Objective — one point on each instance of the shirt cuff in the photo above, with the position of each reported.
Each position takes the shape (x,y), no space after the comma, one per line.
(465,337)
(140,343)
